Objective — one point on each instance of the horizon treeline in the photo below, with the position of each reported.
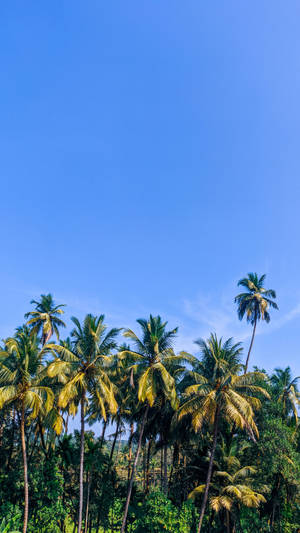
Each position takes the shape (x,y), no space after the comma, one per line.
(199,443)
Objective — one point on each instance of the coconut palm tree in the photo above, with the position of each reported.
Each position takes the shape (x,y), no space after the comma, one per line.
(220,393)
(45,317)
(84,371)
(255,303)
(232,483)
(153,353)
(286,391)
(21,384)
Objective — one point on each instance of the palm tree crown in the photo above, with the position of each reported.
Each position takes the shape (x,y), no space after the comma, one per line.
(152,356)
(286,391)
(232,483)
(22,373)
(257,300)
(83,363)
(45,317)
(219,388)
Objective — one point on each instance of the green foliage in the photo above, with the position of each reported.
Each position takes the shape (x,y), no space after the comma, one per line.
(11,521)
(158,514)
(115,515)
(46,497)
(47,519)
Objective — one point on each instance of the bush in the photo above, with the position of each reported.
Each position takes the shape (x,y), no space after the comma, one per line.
(158,514)
(47,519)
(11,518)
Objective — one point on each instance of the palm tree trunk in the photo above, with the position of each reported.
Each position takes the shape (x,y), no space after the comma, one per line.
(103,433)
(44,447)
(25,469)
(81,462)
(161,469)
(210,467)
(67,424)
(175,456)
(148,466)
(130,451)
(88,501)
(184,478)
(250,347)
(98,522)
(165,469)
(144,466)
(227,521)
(115,440)
(133,470)
(12,441)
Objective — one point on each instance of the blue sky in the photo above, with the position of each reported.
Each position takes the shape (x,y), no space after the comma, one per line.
(149,156)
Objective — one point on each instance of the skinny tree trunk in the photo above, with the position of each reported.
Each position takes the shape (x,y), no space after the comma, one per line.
(25,469)
(133,470)
(184,478)
(87,501)
(209,471)
(81,462)
(44,447)
(67,424)
(103,433)
(144,466)
(165,469)
(161,469)
(130,451)
(227,521)
(114,441)
(148,466)
(175,456)
(250,347)
(12,441)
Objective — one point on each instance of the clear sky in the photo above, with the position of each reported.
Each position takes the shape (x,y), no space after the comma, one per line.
(149,155)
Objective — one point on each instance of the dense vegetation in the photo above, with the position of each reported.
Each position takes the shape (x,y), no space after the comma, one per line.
(198,443)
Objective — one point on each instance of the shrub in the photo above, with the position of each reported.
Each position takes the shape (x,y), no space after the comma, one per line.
(159,514)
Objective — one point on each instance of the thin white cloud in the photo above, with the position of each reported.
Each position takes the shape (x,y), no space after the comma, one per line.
(207,314)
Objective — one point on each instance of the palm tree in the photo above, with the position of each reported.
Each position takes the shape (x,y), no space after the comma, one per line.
(232,483)
(254,303)
(153,353)
(84,369)
(220,393)
(21,384)
(286,391)
(45,318)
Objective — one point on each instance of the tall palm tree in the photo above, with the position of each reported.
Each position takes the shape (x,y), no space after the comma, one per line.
(220,393)
(255,303)
(153,353)
(21,384)
(286,391)
(45,317)
(84,370)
